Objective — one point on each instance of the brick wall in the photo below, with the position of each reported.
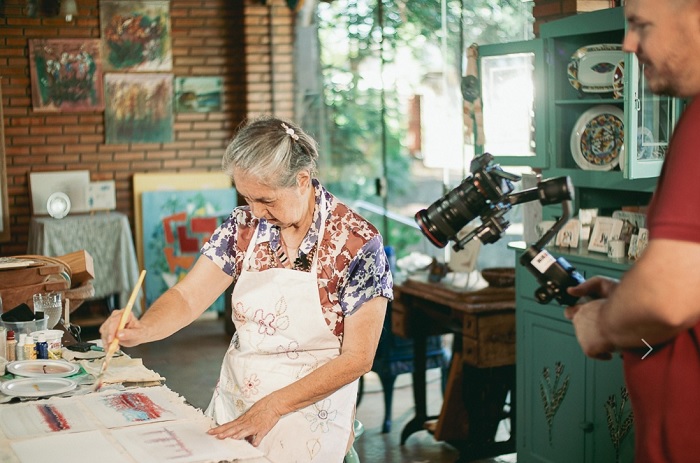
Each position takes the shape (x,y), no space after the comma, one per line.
(246,42)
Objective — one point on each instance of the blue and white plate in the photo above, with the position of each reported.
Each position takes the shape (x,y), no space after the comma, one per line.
(598,138)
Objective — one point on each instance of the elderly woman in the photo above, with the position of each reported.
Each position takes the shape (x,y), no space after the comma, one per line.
(311,288)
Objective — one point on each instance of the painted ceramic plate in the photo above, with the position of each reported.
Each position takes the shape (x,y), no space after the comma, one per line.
(592,67)
(619,80)
(37,387)
(598,138)
(645,143)
(42,368)
(58,205)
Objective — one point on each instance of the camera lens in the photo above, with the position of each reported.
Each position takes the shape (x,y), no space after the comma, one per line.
(441,221)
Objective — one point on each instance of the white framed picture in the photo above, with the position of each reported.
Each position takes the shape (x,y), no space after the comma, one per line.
(605,229)
(569,234)
(102,196)
(74,183)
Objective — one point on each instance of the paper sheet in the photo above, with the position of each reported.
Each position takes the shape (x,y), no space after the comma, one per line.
(137,406)
(84,447)
(184,442)
(39,418)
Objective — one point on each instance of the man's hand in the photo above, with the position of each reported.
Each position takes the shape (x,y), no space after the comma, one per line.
(586,321)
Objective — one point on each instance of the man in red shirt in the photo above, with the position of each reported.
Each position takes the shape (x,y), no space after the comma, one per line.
(658,299)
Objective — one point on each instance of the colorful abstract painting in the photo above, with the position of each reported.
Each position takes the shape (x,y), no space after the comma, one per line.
(136,35)
(66,75)
(176,224)
(139,108)
(198,94)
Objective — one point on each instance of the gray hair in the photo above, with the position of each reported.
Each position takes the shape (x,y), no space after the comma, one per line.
(272,150)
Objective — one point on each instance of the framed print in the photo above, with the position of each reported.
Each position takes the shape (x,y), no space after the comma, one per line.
(72,183)
(198,94)
(569,235)
(102,196)
(136,35)
(66,75)
(604,230)
(138,108)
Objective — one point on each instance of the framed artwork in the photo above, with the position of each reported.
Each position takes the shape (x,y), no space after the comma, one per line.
(169,181)
(569,234)
(138,108)
(4,204)
(198,94)
(73,183)
(102,195)
(176,224)
(604,230)
(66,75)
(136,35)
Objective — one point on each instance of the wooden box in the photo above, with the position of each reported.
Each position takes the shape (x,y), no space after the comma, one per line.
(81,266)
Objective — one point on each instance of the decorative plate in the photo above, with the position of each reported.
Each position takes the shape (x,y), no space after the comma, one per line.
(37,387)
(645,137)
(42,368)
(591,68)
(58,205)
(619,80)
(597,139)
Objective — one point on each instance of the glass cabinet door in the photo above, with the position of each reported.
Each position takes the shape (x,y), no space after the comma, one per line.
(649,123)
(513,85)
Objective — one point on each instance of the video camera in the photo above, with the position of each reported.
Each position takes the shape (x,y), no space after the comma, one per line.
(488,194)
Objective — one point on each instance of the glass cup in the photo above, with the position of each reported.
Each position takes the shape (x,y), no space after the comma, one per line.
(50,305)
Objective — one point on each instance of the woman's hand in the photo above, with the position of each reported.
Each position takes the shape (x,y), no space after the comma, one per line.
(131,334)
(253,425)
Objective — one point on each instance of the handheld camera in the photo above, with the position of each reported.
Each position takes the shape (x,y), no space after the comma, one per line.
(488,194)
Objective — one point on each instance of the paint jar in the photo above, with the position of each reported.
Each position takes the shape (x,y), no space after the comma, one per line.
(42,348)
(54,340)
(29,348)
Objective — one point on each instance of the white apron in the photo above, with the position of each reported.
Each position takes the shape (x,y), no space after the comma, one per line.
(282,336)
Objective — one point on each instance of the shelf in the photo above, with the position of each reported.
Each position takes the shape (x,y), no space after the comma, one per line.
(589,102)
(609,180)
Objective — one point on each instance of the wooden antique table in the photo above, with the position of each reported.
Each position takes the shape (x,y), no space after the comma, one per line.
(483,365)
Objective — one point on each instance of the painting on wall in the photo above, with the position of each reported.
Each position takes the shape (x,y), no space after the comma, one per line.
(136,35)
(138,108)
(66,75)
(198,94)
(176,224)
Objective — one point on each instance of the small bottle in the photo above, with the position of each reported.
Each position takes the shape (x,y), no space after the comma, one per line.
(42,348)
(11,346)
(19,355)
(29,348)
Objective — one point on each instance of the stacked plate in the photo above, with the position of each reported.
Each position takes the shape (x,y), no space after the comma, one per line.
(39,378)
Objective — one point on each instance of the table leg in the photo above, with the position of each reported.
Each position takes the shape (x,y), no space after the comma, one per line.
(419,394)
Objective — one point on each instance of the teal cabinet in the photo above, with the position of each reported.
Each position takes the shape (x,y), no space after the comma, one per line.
(568,96)
(570,408)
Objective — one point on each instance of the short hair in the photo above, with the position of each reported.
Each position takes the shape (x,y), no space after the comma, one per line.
(272,150)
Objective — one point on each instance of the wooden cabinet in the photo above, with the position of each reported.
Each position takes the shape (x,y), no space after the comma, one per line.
(572,408)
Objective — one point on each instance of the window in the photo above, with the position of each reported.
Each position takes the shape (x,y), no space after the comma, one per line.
(393,111)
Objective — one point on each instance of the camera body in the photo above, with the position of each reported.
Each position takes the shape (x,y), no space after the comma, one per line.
(488,194)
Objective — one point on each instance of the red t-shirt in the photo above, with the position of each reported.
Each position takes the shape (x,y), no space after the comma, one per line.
(665,387)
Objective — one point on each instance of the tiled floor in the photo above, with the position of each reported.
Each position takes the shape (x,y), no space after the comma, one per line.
(190,361)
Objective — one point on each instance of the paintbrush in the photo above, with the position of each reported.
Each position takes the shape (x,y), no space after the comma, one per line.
(114,345)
